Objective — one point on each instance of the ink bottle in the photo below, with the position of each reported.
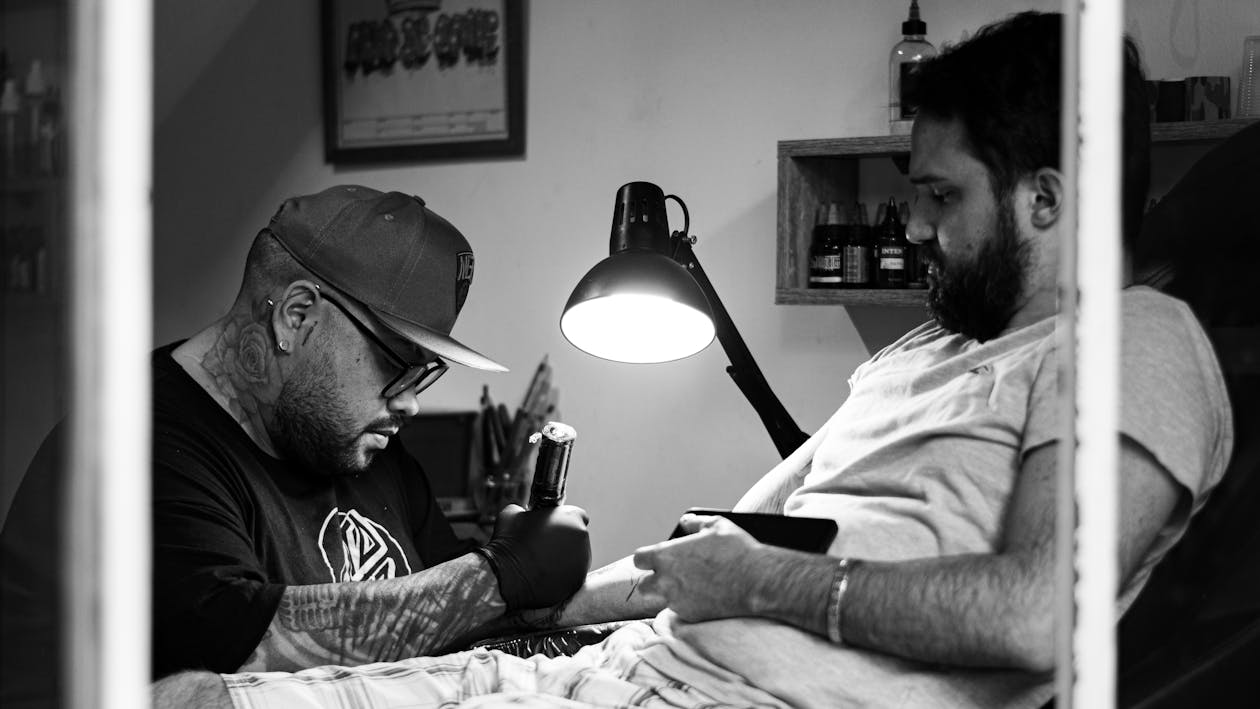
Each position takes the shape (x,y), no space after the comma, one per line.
(902,62)
(826,266)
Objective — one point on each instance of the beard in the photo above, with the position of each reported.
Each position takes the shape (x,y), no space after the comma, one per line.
(310,425)
(978,298)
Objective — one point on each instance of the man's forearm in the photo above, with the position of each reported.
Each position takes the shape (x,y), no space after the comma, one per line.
(610,593)
(981,610)
(369,621)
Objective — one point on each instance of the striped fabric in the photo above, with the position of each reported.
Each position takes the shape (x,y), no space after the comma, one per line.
(634,667)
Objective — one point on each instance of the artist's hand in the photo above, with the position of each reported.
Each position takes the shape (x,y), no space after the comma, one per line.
(535,619)
(539,556)
(711,573)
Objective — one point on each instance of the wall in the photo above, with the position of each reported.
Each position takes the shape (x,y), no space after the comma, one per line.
(690,95)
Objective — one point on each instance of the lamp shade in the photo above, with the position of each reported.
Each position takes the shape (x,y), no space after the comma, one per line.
(638,305)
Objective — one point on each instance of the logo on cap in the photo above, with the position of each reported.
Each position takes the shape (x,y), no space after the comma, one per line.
(463,277)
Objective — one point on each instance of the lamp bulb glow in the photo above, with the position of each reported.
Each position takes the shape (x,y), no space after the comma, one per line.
(637,328)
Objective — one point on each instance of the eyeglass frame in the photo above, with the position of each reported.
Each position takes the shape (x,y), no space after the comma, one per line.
(424,375)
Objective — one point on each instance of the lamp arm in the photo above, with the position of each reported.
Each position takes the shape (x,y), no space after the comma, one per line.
(787,436)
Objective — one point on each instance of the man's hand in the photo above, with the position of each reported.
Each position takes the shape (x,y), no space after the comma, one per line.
(539,556)
(534,619)
(711,573)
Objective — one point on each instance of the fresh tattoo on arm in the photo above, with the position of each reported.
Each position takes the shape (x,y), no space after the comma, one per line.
(634,584)
(369,621)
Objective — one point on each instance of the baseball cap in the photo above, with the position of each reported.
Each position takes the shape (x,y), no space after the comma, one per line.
(393,255)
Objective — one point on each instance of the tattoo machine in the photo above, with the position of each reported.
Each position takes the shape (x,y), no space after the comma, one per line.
(551,470)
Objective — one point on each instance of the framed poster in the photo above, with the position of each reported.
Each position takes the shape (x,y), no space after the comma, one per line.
(414,80)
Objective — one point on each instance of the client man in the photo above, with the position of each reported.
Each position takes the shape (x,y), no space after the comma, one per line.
(939,468)
(291,529)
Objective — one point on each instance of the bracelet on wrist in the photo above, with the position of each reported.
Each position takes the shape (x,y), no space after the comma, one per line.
(835,600)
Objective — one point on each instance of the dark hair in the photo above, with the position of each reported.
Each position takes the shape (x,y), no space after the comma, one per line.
(1004,85)
(269,265)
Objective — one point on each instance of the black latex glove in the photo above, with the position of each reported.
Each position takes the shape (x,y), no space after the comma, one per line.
(540,556)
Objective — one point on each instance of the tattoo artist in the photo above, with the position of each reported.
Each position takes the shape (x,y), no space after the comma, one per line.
(291,528)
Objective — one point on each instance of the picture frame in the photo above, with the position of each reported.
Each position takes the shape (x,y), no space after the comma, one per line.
(423,80)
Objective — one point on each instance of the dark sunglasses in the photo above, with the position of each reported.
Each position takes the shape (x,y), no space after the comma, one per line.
(411,376)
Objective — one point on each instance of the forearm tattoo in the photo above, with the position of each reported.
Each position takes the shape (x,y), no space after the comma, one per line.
(370,621)
(634,583)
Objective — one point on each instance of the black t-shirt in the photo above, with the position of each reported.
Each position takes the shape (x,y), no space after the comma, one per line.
(232,527)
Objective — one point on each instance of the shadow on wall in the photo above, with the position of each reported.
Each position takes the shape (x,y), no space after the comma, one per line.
(880,327)
(227,139)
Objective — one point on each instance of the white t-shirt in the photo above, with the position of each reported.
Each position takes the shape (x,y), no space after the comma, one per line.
(921,460)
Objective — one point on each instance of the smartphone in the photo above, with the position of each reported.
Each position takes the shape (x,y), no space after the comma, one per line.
(812,534)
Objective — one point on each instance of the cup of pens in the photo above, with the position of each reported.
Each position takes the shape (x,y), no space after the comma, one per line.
(507,455)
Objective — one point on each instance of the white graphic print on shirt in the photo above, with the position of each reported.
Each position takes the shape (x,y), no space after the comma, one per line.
(357,549)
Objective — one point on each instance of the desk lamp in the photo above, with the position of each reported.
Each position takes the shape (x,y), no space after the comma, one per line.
(650,301)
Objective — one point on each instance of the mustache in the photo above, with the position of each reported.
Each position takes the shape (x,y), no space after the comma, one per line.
(933,259)
(388,423)
(931,252)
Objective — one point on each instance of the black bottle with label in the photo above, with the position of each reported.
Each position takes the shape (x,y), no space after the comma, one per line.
(891,250)
(826,253)
(857,250)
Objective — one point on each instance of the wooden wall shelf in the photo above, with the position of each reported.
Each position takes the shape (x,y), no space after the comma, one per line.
(1197,131)
(819,170)
(898,298)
